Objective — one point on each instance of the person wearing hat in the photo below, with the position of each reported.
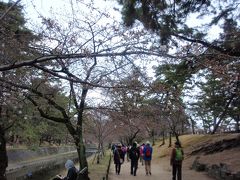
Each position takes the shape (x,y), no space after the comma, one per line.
(176,159)
(118,158)
(147,156)
(72,171)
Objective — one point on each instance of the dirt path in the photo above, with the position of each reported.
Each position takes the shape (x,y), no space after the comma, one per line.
(160,170)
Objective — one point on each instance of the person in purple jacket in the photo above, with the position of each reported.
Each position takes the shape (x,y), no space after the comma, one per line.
(147,156)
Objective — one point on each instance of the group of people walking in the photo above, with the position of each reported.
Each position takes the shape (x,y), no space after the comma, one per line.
(144,154)
(134,153)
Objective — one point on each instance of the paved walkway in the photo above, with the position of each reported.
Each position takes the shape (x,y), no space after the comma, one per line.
(160,171)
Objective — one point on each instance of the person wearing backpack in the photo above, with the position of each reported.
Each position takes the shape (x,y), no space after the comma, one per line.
(147,156)
(176,159)
(134,156)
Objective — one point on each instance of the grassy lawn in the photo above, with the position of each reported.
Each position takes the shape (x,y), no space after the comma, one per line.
(98,171)
(186,140)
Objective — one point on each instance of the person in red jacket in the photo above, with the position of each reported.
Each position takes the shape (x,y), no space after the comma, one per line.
(176,159)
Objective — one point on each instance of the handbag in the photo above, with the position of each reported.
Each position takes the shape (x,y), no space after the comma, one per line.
(121,161)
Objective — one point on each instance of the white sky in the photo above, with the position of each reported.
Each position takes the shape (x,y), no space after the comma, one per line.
(213,32)
(48,8)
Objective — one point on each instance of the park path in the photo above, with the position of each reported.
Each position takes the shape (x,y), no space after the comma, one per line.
(160,171)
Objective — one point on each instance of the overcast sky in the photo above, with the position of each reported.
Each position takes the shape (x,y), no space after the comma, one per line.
(48,8)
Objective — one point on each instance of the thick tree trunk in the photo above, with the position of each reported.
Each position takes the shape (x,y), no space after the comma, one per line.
(3,155)
(82,161)
(79,139)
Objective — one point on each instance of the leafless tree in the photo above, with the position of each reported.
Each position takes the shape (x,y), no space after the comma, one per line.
(78,57)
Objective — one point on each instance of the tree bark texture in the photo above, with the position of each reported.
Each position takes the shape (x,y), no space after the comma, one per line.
(3,155)
(82,161)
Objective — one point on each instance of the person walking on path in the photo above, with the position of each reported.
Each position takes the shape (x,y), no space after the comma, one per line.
(147,156)
(141,153)
(118,158)
(176,159)
(134,156)
(124,149)
(128,150)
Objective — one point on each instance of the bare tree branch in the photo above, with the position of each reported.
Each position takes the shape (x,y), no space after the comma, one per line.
(209,45)
(72,56)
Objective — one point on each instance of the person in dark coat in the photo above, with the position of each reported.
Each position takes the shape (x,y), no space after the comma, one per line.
(134,155)
(118,158)
(176,159)
(72,171)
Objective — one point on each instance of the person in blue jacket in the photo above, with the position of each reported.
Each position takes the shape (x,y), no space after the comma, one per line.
(147,156)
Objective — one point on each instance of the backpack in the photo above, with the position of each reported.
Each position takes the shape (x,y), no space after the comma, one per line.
(134,153)
(148,152)
(179,154)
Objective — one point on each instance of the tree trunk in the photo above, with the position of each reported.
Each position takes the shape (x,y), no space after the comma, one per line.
(163,139)
(102,148)
(177,137)
(98,153)
(163,135)
(3,155)
(237,119)
(82,160)
(170,140)
(192,124)
(153,138)
(79,139)
(182,128)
